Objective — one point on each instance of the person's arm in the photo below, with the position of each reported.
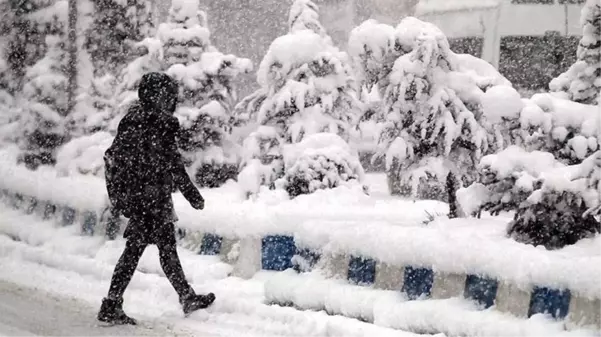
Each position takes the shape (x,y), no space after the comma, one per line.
(178,170)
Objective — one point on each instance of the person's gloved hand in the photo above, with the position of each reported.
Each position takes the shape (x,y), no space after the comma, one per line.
(199,204)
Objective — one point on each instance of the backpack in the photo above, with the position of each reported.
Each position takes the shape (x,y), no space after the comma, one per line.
(117,174)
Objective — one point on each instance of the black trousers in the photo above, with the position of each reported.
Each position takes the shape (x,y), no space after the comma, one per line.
(168,257)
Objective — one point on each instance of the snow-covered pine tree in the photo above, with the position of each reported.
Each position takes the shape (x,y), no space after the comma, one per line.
(149,58)
(8,113)
(370,45)
(433,112)
(23,36)
(372,49)
(45,91)
(208,93)
(582,81)
(555,205)
(112,30)
(307,88)
(118,25)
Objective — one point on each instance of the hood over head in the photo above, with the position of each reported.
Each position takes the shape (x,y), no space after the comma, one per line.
(158,93)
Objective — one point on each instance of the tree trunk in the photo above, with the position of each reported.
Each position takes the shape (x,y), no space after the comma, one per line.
(72,63)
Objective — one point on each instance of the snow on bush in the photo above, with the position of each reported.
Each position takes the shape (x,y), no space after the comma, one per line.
(263,160)
(8,109)
(185,35)
(149,59)
(582,81)
(83,155)
(307,87)
(320,161)
(432,103)
(569,130)
(500,103)
(369,46)
(208,93)
(304,16)
(45,91)
(555,203)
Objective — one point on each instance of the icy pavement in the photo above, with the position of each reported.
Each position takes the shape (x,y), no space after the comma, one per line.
(26,311)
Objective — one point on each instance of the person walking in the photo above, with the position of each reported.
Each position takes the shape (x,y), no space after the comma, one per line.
(143,167)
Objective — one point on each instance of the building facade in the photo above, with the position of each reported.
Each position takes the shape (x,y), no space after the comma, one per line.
(529,41)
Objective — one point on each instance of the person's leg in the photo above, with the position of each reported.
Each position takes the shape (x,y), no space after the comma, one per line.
(172,267)
(111,310)
(124,271)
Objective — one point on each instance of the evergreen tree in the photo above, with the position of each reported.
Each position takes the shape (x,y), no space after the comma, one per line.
(149,58)
(23,35)
(582,82)
(45,92)
(433,113)
(307,88)
(117,26)
(555,205)
(208,93)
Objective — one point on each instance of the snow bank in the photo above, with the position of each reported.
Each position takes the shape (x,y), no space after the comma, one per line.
(450,317)
(471,246)
(81,192)
(83,155)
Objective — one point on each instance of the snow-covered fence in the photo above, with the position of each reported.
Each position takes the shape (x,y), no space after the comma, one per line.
(339,259)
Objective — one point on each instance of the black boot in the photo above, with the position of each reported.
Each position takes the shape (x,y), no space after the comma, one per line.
(194,302)
(111,312)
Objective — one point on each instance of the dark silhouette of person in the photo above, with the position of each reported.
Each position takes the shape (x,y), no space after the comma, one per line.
(143,168)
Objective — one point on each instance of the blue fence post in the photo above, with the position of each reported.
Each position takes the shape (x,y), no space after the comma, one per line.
(68,216)
(417,282)
(549,301)
(89,223)
(481,289)
(211,244)
(362,271)
(277,252)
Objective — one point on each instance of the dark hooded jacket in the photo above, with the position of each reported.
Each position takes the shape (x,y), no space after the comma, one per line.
(146,166)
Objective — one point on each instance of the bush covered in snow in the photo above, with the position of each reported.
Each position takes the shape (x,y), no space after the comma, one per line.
(582,81)
(208,93)
(150,58)
(116,27)
(41,124)
(555,204)
(307,87)
(83,155)
(568,130)
(320,161)
(432,101)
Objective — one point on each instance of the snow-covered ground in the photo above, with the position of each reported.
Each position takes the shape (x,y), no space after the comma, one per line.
(72,272)
(77,270)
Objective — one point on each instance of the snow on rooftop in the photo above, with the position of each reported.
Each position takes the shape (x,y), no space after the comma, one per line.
(425,7)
